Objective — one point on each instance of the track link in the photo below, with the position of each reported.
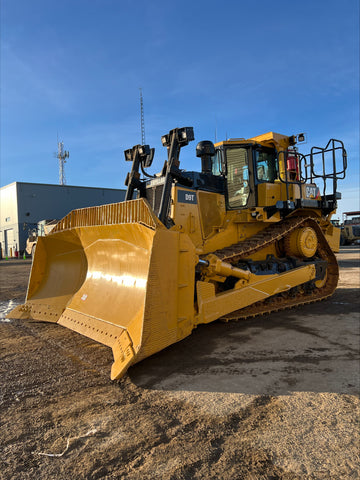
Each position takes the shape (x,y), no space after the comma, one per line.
(296,296)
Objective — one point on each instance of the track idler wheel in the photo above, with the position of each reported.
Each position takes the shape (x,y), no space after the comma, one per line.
(302,242)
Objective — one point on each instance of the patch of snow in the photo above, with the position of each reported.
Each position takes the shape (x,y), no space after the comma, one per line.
(5,308)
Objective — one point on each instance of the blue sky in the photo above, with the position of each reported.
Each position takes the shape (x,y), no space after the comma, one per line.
(73,69)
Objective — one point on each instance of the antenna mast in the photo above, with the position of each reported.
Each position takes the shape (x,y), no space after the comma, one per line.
(62,155)
(142,118)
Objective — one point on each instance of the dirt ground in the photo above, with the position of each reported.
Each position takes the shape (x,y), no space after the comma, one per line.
(274,397)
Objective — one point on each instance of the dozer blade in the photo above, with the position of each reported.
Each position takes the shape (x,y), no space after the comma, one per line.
(117,275)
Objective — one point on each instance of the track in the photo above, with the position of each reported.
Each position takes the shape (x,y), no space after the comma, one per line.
(296,296)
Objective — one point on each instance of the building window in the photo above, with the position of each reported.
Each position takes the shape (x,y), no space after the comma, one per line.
(7,219)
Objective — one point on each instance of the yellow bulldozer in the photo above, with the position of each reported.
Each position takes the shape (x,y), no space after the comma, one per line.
(248,235)
(350,231)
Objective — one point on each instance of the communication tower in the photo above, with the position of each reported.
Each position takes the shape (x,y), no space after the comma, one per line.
(142,118)
(62,155)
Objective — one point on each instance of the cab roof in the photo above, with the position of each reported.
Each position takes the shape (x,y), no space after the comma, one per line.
(269,139)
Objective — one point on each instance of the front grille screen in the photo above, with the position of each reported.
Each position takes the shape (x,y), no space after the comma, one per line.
(153,196)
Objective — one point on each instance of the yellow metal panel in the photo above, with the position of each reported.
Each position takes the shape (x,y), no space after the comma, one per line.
(169,309)
(281,142)
(332,235)
(115,285)
(58,270)
(212,307)
(212,211)
(186,215)
(268,194)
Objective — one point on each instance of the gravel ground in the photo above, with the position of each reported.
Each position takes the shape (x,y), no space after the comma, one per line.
(274,397)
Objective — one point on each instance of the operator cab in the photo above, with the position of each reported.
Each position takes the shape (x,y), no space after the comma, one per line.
(244,167)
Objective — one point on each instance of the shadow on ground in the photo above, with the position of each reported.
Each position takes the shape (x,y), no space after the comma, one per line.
(313,348)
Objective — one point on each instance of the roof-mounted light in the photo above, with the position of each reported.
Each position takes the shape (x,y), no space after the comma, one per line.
(128,155)
(186,135)
(165,140)
(301,137)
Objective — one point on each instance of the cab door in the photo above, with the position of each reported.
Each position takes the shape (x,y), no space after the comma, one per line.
(239,177)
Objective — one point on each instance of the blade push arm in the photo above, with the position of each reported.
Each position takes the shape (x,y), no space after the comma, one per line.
(174,140)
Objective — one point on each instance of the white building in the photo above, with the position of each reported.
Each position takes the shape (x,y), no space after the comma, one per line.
(22,205)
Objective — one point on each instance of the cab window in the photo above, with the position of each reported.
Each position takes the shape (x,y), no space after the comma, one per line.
(237,177)
(216,163)
(266,165)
